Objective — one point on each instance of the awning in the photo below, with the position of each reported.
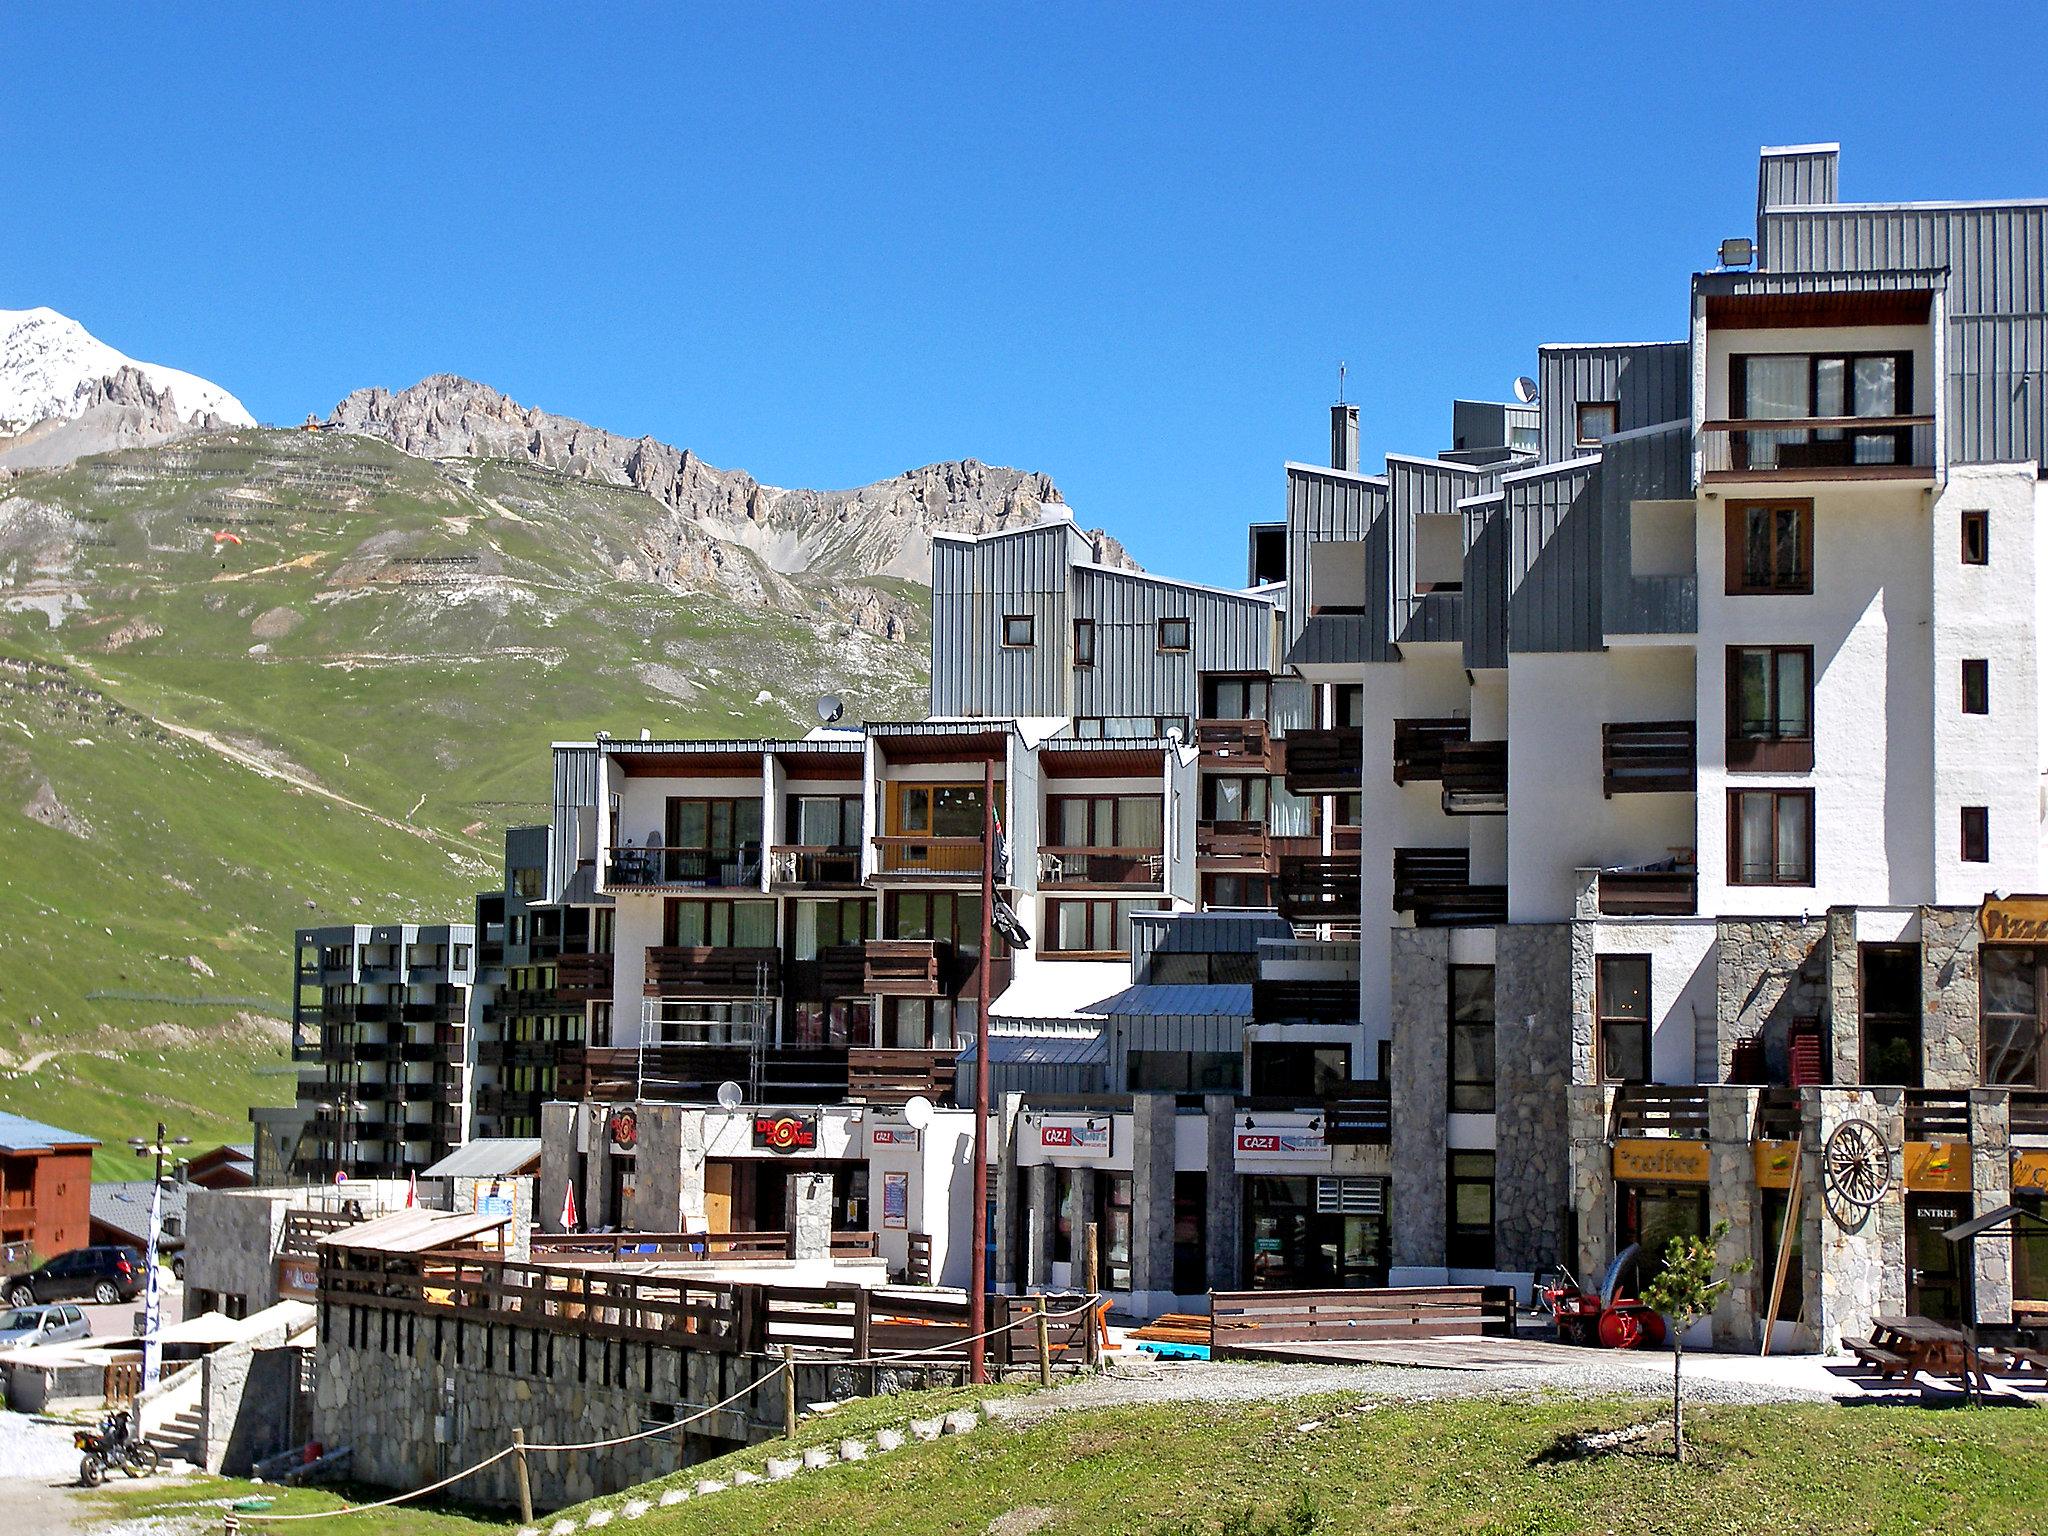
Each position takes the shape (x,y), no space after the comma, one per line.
(489,1157)
(1066,1049)
(412,1232)
(1060,989)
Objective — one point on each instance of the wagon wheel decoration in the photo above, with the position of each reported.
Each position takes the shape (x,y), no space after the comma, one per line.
(1856,1165)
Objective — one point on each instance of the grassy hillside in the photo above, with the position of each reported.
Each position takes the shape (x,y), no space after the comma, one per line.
(303,677)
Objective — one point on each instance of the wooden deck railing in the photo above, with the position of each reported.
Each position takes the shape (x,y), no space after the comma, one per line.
(1656,1109)
(952,858)
(1642,757)
(1251,1322)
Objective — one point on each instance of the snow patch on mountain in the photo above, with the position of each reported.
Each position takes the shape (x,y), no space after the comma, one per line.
(50,366)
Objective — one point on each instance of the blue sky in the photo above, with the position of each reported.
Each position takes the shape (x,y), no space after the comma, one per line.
(1126,245)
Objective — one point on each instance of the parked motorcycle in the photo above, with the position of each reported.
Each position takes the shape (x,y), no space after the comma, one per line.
(113,1447)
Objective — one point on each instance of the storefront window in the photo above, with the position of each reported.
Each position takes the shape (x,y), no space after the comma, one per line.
(1113,1205)
(1190,1233)
(1315,1233)
(1651,1215)
(2011,1013)
(2030,1257)
(1791,1302)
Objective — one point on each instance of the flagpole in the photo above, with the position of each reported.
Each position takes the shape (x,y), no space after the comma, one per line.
(152,1290)
(977,1285)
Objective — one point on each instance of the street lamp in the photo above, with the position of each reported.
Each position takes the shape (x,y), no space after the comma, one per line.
(152,1297)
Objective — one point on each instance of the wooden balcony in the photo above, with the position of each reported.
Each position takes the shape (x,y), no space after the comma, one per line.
(938,858)
(1238,745)
(1419,747)
(2029,1110)
(837,971)
(1233,846)
(704,971)
(1435,884)
(1654,1109)
(1102,869)
(906,967)
(1934,1114)
(1326,762)
(1649,892)
(1318,889)
(1818,448)
(1648,757)
(1475,777)
(584,978)
(876,1076)
(813,867)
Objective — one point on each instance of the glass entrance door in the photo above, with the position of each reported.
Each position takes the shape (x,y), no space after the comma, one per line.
(1934,1280)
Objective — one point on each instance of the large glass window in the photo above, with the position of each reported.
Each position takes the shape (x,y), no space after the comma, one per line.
(1113,1217)
(824,821)
(720,924)
(2030,1255)
(1622,998)
(1107,821)
(1888,987)
(1091,927)
(1236,797)
(1770,837)
(1468,1238)
(1237,891)
(1184,1071)
(942,810)
(2009,1006)
(1472,1039)
(1190,1233)
(1299,1070)
(1651,1215)
(1826,387)
(1234,698)
(822,925)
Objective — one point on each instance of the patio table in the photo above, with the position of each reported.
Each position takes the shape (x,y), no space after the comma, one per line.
(1928,1346)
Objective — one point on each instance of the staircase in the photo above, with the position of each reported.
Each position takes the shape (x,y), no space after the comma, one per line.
(181,1435)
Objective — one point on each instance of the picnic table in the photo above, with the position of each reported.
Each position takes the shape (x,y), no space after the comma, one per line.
(1908,1346)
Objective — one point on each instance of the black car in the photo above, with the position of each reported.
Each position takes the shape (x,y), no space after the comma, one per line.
(105,1274)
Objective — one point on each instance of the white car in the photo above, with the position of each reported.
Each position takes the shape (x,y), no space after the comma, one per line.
(54,1323)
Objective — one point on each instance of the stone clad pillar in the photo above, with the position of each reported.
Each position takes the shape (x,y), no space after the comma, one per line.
(1949,1031)
(1536,1024)
(1226,1207)
(1991,1187)
(1420,1089)
(1732,1197)
(1855,1259)
(1591,1111)
(1153,1118)
(808,1203)
(1040,1194)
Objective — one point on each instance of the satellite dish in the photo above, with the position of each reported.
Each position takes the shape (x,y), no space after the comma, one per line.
(730,1095)
(917,1111)
(831,708)
(1175,736)
(1525,390)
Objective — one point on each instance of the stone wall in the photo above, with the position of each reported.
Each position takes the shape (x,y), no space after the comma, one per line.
(1855,1259)
(1226,1208)
(1420,1091)
(1536,976)
(1153,1117)
(1590,1107)
(1991,1187)
(231,1240)
(1948,997)
(1843,1021)
(1732,1197)
(1771,971)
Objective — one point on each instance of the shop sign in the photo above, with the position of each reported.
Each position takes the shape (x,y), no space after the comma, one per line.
(1261,1139)
(784,1133)
(623,1126)
(489,1197)
(2014,919)
(892,1136)
(1938,1167)
(1075,1135)
(896,1200)
(1774,1163)
(1651,1160)
(2030,1173)
(298,1278)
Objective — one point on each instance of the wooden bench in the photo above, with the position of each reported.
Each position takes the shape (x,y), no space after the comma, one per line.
(1887,1363)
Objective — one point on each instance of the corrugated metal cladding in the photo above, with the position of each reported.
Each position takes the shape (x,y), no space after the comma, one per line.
(1429,488)
(1996,258)
(1486,583)
(1650,466)
(975,587)
(1206,933)
(1166,1032)
(1228,632)
(1554,561)
(1324,507)
(1651,382)
(1803,174)
(576,781)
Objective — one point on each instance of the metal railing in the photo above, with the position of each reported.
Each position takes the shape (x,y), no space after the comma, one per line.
(814,864)
(1819,447)
(735,869)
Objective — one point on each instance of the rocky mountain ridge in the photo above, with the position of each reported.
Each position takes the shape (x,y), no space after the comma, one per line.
(50,366)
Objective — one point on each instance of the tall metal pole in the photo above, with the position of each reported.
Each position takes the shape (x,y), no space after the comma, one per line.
(977,1284)
(152,1295)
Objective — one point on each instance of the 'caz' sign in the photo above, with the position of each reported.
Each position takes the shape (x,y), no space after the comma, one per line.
(786,1133)
(1079,1135)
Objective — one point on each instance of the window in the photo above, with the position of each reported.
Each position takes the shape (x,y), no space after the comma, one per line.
(1091,927)
(1471,1064)
(1976,843)
(1800,387)
(1468,1237)
(1234,891)
(1175,634)
(1791,1301)
(1976,686)
(1976,538)
(719,924)
(1105,821)
(1622,1003)
(1184,1071)
(1298,1070)
(1770,547)
(1203,968)
(1017,629)
(1597,419)
(1347,705)
(1234,698)
(824,821)
(1888,988)
(1770,708)
(2015,1051)
(1084,642)
(1113,1211)
(1770,837)
(1241,797)
(1651,1215)
(823,925)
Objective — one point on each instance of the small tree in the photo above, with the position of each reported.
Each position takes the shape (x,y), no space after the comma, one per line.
(1686,1292)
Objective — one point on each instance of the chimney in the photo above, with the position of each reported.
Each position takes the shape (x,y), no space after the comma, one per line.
(1344,437)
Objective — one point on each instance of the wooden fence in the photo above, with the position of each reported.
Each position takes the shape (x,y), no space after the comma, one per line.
(1260,1318)
(687,1247)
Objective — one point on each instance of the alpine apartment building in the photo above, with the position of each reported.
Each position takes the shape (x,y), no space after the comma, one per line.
(1555,844)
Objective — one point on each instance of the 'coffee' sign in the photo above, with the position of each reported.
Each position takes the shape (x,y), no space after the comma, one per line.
(1653,1161)
(786,1133)
(2014,919)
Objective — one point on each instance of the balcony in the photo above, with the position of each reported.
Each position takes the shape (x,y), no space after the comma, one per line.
(813,867)
(1435,886)
(1102,868)
(894,1077)
(1649,892)
(906,967)
(1475,777)
(837,971)
(1937,1115)
(1321,1001)
(1239,745)
(583,978)
(939,858)
(1326,762)
(691,1073)
(1653,1109)
(1818,448)
(1648,757)
(690,869)
(707,971)
(1229,846)
(1419,747)
(1318,889)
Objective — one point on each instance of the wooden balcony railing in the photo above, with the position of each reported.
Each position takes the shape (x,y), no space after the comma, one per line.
(674,971)
(811,867)
(1233,844)
(1318,889)
(1654,1109)
(1359,1120)
(1934,1114)
(1435,884)
(1419,747)
(1818,448)
(906,967)
(1475,775)
(1245,744)
(1646,757)
(2029,1112)
(734,869)
(1110,868)
(839,970)
(584,978)
(1649,892)
(1304,1002)
(951,858)
(875,1076)
(1324,762)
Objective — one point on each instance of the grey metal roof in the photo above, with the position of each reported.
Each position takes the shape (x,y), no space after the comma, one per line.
(488,1157)
(1060,1050)
(683,748)
(18,1133)
(1182,1000)
(124,1205)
